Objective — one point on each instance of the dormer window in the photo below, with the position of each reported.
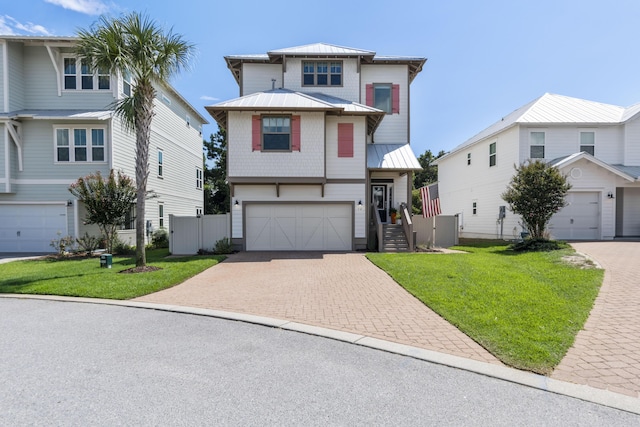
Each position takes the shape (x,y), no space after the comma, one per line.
(322,73)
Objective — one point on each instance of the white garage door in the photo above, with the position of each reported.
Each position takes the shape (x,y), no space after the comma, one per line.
(579,220)
(31,228)
(301,227)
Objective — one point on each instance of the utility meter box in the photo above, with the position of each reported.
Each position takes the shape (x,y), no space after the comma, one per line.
(106,260)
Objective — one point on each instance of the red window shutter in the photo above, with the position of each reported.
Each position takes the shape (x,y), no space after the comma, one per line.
(345,139)
(395,99)
(256,133)
(295,133)
(369,96)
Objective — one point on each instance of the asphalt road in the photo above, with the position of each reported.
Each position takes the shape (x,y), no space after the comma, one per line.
(84,364)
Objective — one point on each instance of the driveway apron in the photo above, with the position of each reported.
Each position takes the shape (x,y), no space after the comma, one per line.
(606,353)
(342,291)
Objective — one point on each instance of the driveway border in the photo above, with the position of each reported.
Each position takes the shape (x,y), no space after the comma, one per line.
(540,382)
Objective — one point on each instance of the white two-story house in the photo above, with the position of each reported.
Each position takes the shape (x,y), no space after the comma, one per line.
(596,146)
(318,140)
(57,124)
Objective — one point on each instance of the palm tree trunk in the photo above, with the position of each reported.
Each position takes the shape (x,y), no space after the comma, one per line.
(144,116)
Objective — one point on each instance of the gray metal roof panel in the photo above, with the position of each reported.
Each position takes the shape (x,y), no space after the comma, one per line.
(59,114)
(391,156)
(321,49)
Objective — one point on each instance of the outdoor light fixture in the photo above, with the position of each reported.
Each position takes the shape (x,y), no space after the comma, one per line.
(610,195)
(69,202)
(236,204)
(359,205)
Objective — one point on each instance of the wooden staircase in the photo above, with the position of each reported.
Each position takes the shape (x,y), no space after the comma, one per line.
(394,239)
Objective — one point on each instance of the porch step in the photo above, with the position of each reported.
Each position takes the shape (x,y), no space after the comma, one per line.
(394,239)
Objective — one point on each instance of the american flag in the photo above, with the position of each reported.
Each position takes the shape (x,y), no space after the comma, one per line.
(430,201)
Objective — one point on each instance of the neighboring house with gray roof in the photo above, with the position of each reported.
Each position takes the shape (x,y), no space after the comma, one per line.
(57,124)
(597,146)
(318,142)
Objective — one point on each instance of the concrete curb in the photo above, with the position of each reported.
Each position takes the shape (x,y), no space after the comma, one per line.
(578,391)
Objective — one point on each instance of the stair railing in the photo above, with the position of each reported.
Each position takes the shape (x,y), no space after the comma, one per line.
(407,225)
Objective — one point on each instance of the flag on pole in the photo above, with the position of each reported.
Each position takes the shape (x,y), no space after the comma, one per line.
(430,201)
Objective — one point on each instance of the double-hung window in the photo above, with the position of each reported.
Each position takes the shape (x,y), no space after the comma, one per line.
(80,74)
(322,73)
(383,96)
(79,144)
(468,159)
(492,154)
(161,215)
(126,83)
(160,164)
(276,133)
(588,142)
(199,178)
(536,145)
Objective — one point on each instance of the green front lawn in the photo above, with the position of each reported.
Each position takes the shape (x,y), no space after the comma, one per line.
(525,308)
(83,277)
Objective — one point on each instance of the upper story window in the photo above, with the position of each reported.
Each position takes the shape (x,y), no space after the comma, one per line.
(384,96)
(276,133)
(536,145)
(322,73)
(79,144)
(588,142)
(492,154)
(79,74)
(474,208)
(160,164)
(165,99)
(468,159)
(127,83)
(199,178)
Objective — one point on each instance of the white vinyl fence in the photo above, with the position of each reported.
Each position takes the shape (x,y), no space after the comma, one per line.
(446,230)
(189,234)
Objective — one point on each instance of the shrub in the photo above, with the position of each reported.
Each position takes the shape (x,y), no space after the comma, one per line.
(121,248)
(160,238)
(223,246)
(538,245)
(88,243)
(62,244)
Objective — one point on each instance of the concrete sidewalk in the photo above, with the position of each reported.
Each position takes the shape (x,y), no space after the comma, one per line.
(339,291)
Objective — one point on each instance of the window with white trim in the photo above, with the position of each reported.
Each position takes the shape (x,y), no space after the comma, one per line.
(79,74)
(199,178)
(198,211)
(321,73)
(161,215)
(536,145)
(160,163)
(588,142)
(474,208)
(468,159)
(492,154)
(126,83)
(75,144)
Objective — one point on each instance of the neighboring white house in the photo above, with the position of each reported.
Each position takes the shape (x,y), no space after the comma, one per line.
(597,146)
(319,133)
(57,124)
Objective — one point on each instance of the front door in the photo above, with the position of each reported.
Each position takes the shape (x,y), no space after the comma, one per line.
(380,200)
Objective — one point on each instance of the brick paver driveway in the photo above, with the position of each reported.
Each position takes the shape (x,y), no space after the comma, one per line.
(606,353)
(337,291)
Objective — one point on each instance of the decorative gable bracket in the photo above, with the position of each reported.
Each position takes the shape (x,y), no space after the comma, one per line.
(15,130)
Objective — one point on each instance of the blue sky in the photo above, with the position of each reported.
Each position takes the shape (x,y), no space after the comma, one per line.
(485,58)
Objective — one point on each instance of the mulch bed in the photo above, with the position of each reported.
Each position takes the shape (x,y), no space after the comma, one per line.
(144,269)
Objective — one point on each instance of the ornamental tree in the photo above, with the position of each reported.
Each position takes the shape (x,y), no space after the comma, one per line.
(107,201)
(536,192)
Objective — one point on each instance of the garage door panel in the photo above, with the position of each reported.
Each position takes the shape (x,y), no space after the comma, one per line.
(579,220)
(299,227)
(31,228)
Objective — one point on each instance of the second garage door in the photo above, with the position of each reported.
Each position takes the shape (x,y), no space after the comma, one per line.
(579,220)
(302,227)
(30,228)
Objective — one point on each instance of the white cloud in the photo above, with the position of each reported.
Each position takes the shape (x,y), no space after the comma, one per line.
(11,26)
(88,7)
(209,98)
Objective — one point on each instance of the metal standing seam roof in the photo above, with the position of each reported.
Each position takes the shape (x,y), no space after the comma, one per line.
(556,109)
(59,114)
(287,100)
(322,49)
(391,157)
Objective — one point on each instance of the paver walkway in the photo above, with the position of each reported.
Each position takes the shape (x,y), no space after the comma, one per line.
(606,353)
(338,291)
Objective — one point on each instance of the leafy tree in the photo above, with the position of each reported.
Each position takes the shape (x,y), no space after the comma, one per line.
(217,192)
(429,173)
(135,44)
(536,192)
(107,201)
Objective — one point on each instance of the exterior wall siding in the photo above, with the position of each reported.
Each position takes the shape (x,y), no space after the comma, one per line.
(394,128)
(346,167)
(16,77)
(257,77)
(631,212)
(3,50)
(3,150)
(350,80)
(632,142)
(308,162)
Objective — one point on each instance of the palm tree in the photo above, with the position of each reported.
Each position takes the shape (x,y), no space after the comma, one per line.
(135,44)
